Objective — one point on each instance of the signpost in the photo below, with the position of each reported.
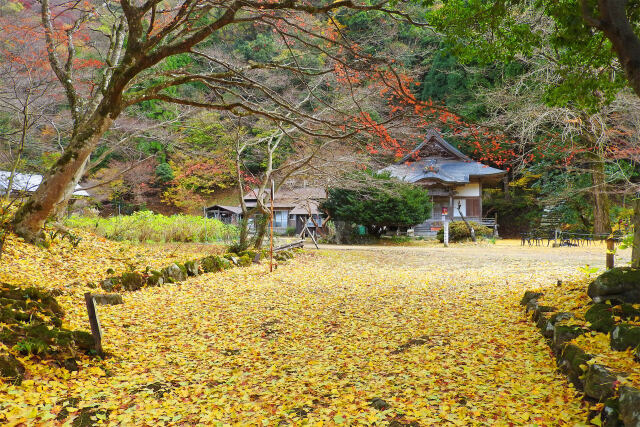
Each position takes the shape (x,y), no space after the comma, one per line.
(445,225)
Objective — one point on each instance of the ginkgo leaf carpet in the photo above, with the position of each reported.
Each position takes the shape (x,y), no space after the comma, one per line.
(384,337)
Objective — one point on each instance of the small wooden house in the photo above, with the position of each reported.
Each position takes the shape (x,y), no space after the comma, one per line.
(292,208)
(226,214)
(452,179)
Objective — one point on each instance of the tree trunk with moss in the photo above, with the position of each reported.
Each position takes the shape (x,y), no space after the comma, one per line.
(261,231)
(58,185)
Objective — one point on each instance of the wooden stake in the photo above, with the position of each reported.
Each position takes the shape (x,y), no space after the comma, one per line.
(610,254)
(94,321)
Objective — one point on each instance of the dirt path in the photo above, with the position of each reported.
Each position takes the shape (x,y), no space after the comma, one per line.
(361,337)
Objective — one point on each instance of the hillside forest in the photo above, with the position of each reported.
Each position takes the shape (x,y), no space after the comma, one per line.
(172,109)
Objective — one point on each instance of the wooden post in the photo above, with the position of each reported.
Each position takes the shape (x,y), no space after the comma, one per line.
(271,244)
(94,321)
(446,234)
(610,254)
(204,214)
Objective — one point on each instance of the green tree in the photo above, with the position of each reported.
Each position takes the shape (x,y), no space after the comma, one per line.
(595,45)
(111,56)
(378,202)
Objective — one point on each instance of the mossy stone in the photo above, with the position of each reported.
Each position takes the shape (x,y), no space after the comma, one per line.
(629,406)
(617,284)
(571,361)
(108,284)
(33,321)
(563,334)
(209,264)
(540,309)
(173,273)
(155,279)
(108,299)
(84,340)
(601,317)
(599,382)
(245,261)
(542,323)
(192,267)
(10,368)
(546,324)
(132,281)
(625,336)
(183,269)
(628,312)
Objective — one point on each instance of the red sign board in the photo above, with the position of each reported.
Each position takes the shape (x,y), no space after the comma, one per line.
(445,210)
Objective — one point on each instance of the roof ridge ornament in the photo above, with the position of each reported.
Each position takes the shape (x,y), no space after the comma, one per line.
(432,166)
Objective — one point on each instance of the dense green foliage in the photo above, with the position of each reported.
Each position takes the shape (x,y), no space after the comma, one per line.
(381,202)
(145,226)
(496,31)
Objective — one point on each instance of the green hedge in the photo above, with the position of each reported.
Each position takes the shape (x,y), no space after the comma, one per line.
(459,232)
(145,226)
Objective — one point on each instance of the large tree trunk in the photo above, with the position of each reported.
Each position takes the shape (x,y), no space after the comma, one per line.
(601,217)
(635,252)
(59,183)
(243,238)
(261,231)
(618,28)
(505,186)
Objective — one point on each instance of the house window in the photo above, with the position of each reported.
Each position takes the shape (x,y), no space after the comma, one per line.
(317,220)
(280,219)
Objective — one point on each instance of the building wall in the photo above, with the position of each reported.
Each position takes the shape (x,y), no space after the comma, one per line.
(468,190)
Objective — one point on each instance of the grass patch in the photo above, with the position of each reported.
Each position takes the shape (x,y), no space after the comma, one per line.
(145,226)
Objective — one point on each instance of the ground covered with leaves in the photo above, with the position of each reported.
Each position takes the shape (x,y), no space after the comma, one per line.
(400,336)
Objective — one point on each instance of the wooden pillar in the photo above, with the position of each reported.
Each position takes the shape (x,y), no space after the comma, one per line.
(480,195)
(451,207)
(610,254)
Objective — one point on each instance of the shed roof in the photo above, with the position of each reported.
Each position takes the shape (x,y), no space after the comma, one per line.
(298,193)
(29,183)
(232,209)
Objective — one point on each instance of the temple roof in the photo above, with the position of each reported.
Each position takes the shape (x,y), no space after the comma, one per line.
(434,159)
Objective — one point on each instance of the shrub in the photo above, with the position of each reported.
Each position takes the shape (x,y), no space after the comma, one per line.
(145,226)
(164,173)
(380,201)
(291,231)
(459,232)
(244,261)
(236,247)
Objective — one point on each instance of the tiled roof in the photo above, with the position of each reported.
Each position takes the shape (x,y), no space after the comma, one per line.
(232,209)
(300,193)
(453,167)
(449,171)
